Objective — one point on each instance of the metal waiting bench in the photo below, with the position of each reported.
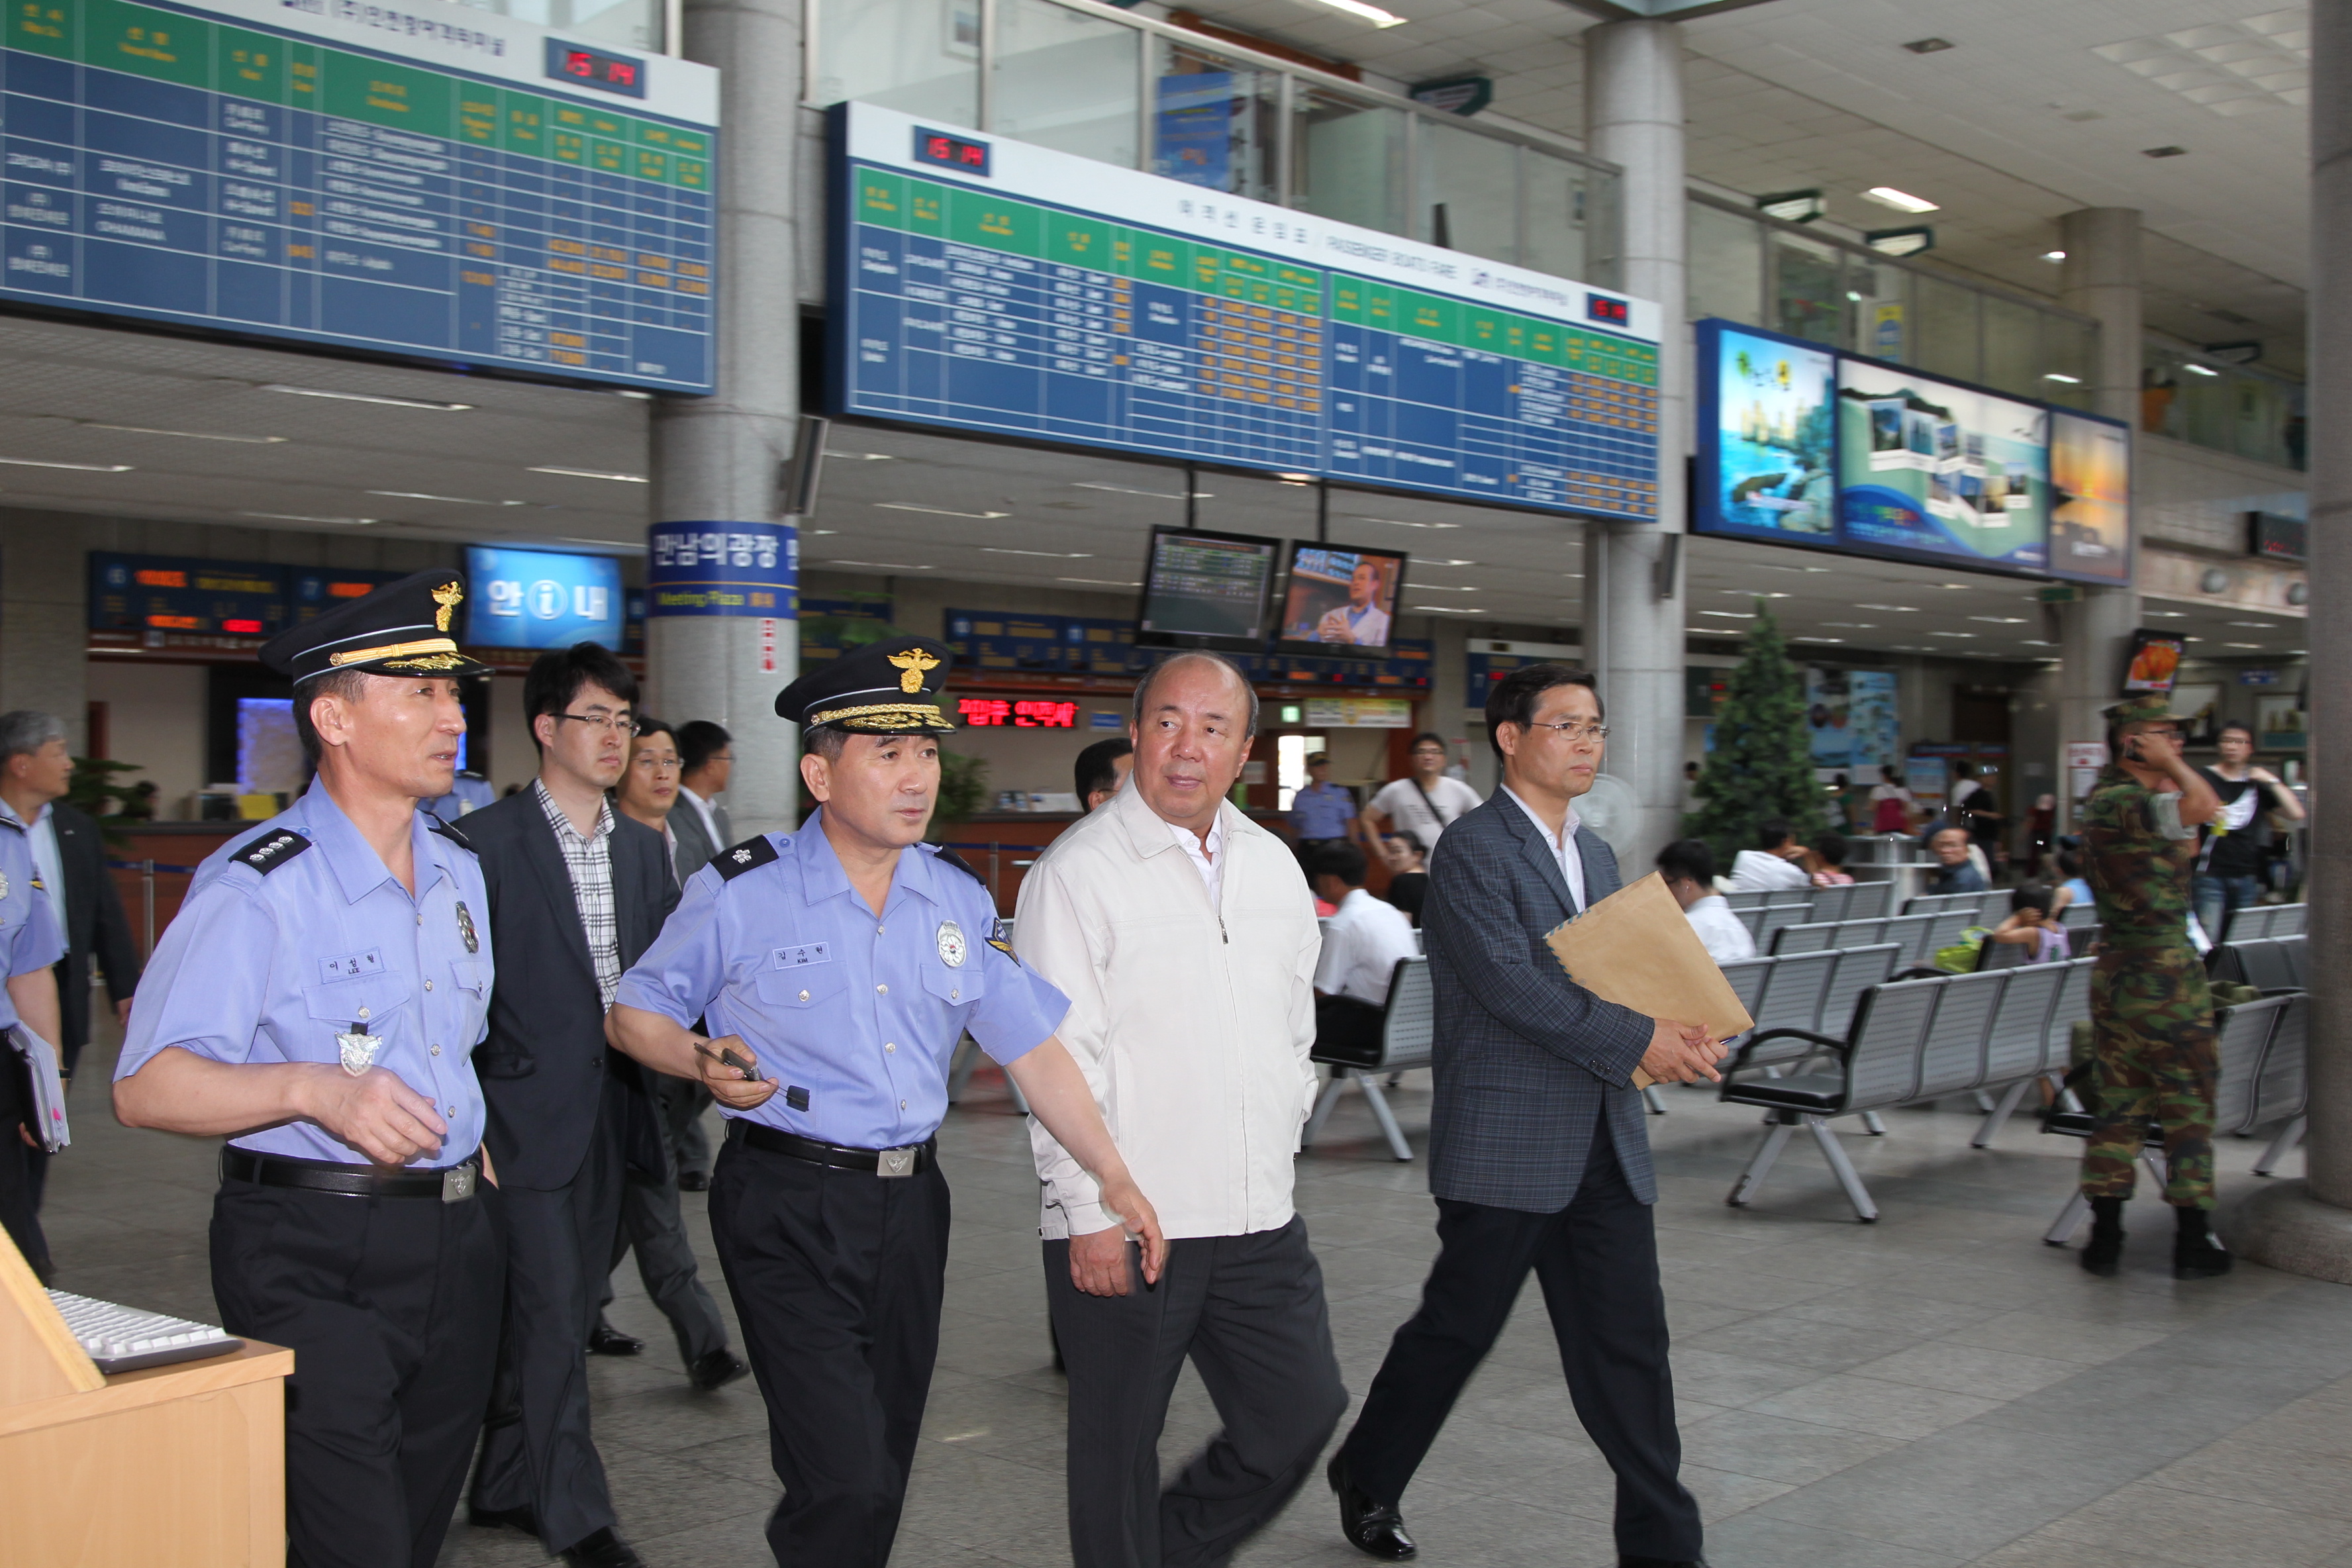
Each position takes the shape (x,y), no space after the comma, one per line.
(2255,921)
(2269,964)
(1970,904)
(1909,1041)
(1407,1025)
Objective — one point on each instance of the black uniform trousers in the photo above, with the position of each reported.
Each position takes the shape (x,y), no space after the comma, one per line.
(837,1277)
(21,1168)
(537,1453)
(391,1308)
(1249,1312)
(1596,1260)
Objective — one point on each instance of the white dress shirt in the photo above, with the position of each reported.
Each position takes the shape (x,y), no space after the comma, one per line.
(1727,940)
(1210,862)
(1361,943)
(1563,846)
(1191,1021)
(1758,871)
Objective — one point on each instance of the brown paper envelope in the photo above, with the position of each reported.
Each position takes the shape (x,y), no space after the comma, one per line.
(1636,948)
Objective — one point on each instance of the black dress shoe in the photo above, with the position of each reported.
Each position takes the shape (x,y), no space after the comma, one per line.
(693,1181)
(482,1518)
(603,1550)
(1374,1528)
(609,1340)
(717,1370)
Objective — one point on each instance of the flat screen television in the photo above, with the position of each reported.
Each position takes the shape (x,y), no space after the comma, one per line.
(1206,590)
(1340,597)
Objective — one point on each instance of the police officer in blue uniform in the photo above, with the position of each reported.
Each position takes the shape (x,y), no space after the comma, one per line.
(838,966)
(317,1000)
(30,941)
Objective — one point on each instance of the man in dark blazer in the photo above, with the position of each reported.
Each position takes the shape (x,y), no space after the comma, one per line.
(35,771)
(577,891)
(1538,1149)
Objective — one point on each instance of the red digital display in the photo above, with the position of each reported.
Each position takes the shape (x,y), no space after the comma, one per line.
(1601,308)
(947,151)
(246,628)
(1028,713)
(595,68)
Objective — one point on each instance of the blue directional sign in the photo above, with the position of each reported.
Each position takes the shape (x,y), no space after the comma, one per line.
(539,598)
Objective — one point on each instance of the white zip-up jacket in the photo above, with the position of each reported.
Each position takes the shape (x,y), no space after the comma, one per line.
(1192,1022)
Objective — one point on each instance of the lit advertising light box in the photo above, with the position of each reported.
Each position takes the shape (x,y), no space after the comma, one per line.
(541,598)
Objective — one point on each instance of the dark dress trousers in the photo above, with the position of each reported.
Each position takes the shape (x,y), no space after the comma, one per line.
(1539,1159)
(96,928)
(565,1115)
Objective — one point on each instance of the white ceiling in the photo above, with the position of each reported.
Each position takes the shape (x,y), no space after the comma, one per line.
(2036,110)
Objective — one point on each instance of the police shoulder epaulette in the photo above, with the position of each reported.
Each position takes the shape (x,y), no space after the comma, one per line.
(449,831)
(732,863)
(271,850)
(950,858)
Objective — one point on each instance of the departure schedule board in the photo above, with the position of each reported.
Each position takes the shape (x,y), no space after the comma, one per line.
(423,180)
(988,285)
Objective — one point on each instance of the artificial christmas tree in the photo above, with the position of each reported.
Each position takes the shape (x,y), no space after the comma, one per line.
(1761,766)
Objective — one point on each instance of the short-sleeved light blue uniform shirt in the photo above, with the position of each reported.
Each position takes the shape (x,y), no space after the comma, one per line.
(853,1016)
(278,949)
(30,938)
(1321,810)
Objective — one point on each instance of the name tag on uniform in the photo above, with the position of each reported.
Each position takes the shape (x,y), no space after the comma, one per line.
(807,953)
(351,965)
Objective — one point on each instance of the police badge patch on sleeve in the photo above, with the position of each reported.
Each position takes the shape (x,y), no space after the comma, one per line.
(996,938)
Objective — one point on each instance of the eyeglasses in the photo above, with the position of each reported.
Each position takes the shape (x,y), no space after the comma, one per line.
(653,764)
(606,722)
(1573,730)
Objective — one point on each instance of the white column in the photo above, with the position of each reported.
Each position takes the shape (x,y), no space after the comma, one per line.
(2306,1227)
(718,459)
(2101,278)
(1634,621)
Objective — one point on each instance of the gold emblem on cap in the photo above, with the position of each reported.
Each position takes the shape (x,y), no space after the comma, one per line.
(449,596)
(407,650)
(913,665)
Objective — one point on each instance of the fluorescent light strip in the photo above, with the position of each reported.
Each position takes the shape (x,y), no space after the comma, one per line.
(1399,522)
(452,501)
(424,403)
(881,566)
(1901,201)
(184,435)
(77,467)
(1129,491)
(1445,609)
(590,474)
(1047,554)
(940,511)
(1372,14)
(301,517)
(1099,581)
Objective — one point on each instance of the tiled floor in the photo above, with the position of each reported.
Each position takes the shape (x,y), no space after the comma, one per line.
(1935,1389)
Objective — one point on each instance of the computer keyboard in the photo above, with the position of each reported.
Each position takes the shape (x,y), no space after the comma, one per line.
(124,1339)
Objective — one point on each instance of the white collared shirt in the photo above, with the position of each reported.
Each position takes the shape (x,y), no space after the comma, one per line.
(1727,940)
(1563,847)
(1760,871)
(1361,943)
(1210,862)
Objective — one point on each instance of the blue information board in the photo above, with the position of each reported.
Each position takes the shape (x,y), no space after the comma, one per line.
(432,183)
(989,284)
(541,598)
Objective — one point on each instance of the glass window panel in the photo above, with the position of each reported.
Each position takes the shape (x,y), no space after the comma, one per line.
(1806,299)
(1946,316)
(920,56)
(1878,308)
(1349,161)
(1469,197)
(1558,216)
(2012,347)
(1726,265)
(630,23)
(1215,121)
(1064,80)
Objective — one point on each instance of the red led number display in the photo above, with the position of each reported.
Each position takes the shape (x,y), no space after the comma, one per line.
(1038,713)
(962,153)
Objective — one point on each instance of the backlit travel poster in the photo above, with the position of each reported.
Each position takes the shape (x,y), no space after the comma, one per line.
(2090,484)
(1771,467)
(1930,468)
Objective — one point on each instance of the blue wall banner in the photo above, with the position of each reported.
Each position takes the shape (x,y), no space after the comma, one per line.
(540,598)
(723,569)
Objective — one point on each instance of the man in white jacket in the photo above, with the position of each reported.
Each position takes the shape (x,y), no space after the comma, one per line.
(1185,939)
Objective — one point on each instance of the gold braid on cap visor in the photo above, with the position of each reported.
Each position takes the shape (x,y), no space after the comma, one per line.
(408,650)
(881,716)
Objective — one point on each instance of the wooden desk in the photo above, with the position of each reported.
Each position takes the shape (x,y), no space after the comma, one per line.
(174,1467)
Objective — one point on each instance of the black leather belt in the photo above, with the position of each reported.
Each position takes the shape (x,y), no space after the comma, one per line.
(451,1184)
(912,1160)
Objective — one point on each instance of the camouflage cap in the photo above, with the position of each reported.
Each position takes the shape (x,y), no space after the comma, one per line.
(2145,707)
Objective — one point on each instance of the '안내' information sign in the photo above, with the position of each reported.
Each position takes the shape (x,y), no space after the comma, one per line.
(723,569)
(989,284)
(416,178)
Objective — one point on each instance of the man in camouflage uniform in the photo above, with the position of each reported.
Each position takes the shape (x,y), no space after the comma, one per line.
(2152,1021)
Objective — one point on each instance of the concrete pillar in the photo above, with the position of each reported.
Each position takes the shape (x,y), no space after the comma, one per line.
(718,459)
(2306,1227)
(1634,609)
(44,619)
(2101,278)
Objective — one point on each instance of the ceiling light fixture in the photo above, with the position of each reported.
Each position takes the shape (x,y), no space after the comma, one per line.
(1928,45)
(77,467)
(2062,378)
(1440,588)
(2163,151)
(1363,13)
(1439,561)
(880,565)
(2257,626)
(1446,609)
(1817,640)
(1048,554)
(1754,594)
(2193,368)
(452,501)
(1901,201)
(2255,645)
(300,516)
(1294,479)
(1099,581)
(940,511)
(2165,615)
(1854,626)
(2037,642)
(1896,609)
(424,403)
(2053,256)
(1399,522)
(1130,490)
(1951,634)
(2000,620)
(590,474)
(858,456)
(184,435)
(1731,615)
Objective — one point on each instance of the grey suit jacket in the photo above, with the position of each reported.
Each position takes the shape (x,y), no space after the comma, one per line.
(1527,1061)
(694,847)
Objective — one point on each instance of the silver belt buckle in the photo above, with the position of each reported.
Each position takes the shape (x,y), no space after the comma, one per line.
(457,1184)
(896,1162)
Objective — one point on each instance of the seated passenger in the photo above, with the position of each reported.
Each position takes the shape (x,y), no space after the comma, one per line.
(1689,868)
(1773,865)
(2075,888)
(1829,862)
(1408,873)
(1362,945)
(2031,922)
(1955,871)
